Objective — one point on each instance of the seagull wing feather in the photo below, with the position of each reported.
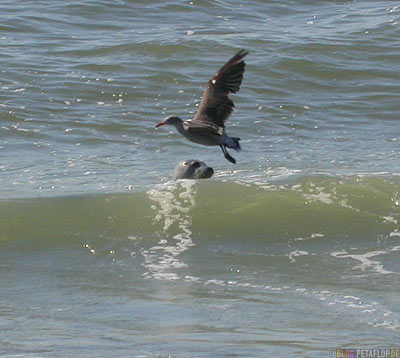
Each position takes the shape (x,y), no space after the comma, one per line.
(216,106)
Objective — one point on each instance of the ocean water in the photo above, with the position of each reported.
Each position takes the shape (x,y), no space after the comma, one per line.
(292,252)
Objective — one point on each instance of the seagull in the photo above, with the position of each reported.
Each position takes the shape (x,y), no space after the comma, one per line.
(208,125)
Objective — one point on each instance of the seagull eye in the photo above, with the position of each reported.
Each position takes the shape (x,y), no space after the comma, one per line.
(196,165)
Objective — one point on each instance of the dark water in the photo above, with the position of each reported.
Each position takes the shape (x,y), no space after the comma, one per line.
(294,251)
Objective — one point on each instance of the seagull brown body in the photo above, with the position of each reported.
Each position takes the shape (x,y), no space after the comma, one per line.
(208,125)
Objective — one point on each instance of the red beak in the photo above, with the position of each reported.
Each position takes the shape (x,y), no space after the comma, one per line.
(160,124)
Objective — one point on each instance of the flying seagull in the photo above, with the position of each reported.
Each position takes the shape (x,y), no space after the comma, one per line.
(208,125)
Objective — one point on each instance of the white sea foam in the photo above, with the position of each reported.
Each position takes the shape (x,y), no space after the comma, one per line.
(365,259)
(172,207)
(296,253)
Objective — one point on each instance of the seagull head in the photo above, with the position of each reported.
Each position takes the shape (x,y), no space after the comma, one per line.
(171,120)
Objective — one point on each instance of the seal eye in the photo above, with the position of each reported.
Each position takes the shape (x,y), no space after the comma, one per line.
(184,163)
(196,165)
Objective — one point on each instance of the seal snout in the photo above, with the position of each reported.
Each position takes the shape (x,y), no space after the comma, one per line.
(209,173)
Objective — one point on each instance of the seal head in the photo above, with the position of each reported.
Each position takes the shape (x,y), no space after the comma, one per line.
(193,169)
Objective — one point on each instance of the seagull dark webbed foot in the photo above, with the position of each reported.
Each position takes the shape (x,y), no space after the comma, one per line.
(227,155)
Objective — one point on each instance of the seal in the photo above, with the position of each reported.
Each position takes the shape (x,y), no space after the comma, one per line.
(193,169)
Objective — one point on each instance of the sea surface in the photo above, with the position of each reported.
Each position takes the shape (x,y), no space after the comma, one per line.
(293,252)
